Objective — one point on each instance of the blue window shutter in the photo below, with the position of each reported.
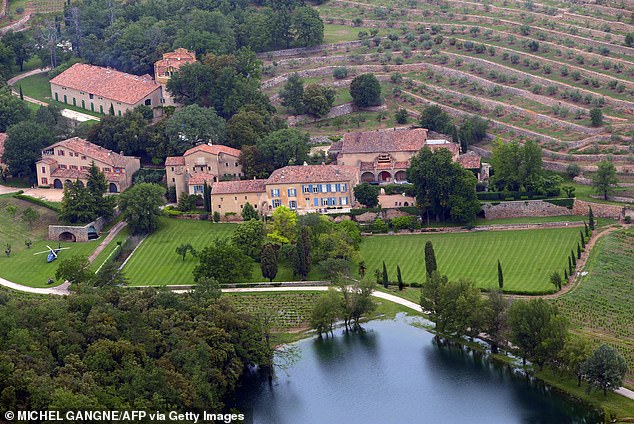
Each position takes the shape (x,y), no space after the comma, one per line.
(316,201)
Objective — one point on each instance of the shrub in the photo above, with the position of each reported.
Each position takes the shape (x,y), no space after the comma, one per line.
(340,72)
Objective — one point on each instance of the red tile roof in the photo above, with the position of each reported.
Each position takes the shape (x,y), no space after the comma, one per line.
(48,161)
(243,186)
(312,174)
(175,161)
(107,83)
(3,137)
(214,149)
(73,174)
(92,151)
(469,160)
(199,178)
(174,60)
(392,140)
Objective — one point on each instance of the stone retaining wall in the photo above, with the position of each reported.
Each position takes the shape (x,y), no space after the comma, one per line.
(523,209)
(4,8)
(308,50)
(598,209)
(79,232)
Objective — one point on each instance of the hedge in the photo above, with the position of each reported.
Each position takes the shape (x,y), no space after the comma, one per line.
(511,195)
(36,201)
(355,212)
(569,203)
(408,189)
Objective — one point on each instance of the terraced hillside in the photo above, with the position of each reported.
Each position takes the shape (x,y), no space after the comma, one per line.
(534,70)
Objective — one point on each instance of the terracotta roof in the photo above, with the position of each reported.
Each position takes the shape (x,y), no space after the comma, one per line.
(443,144)
(392,140)
(73,174)
(401,164)
(48,161)
(107,83)
(214,149)
(312,174)
(175,60)
(199,178)
(3,137)
(469,160)
(242,186)
(175,161)
(92,151)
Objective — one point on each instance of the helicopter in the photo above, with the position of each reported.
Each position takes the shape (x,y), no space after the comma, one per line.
(52,253)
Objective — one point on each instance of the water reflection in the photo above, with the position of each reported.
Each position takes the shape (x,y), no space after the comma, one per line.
(396,373)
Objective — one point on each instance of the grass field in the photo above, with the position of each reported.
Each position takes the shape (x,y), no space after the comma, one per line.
(22,266)
(528,257)
(601,306)
(156,263)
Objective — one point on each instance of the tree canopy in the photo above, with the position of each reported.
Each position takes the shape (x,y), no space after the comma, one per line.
(366,90)
(605,179)
(140,205)
(23,147)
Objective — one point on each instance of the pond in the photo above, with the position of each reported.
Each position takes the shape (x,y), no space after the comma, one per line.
(397,373)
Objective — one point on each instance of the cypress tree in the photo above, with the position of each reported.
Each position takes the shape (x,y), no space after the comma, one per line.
(587,230)
(500,275)
(302,253)
(574,260)
(566,275)
(399,278)
(578,251)
(590,218)
(21,93)
(430,258)
(583,239)
(207,197)
(385,278)
(570,271)
(268,261)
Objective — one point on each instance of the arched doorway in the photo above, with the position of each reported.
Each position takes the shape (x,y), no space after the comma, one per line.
(67,236)
(112,188)
(385,176)
(92,233)
(68,183)
(367,177)
(57,183)
(400,176)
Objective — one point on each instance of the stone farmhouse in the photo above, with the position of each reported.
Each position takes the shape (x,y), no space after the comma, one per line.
(383,155)
(69,160)
(202,164)
(167,66)
(303,188)
(104,90)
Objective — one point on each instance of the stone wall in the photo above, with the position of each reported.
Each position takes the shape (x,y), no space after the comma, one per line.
(523,209)
(598,209)
(79,232)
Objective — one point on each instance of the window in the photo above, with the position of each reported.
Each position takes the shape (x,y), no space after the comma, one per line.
(328,188)
(277,203)
(324,201)
(235,198)
(62,167)
(60,153)
(245,197)
(343,201)
(56,97)
(324,188)
(236,164)
(307,199)
(83,158)
(100,109)
(81,92)
(173,180)
(344,187)
(337,187)
(148,102)
(316,201)
(106,170)
(73,167)
(43,170)
(198,189)
(307,188)
(292,192)
(316,188)
(65,99)
(91,96)
(292,204)
(44,180)
(172,168)
(275,192)
(219,206)
(119,113)
(227,164)
(83,104)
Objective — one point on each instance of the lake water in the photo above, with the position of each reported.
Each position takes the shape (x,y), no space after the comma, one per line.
(396,373)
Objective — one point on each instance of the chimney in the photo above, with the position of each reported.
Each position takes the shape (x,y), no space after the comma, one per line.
(121,152)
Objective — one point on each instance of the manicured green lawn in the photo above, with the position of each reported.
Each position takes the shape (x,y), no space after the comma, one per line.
(156,263)
(541,219)
(528,257)
(36,86)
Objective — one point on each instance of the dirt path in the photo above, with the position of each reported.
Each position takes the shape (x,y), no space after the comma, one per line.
(112,234)
(67,113)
